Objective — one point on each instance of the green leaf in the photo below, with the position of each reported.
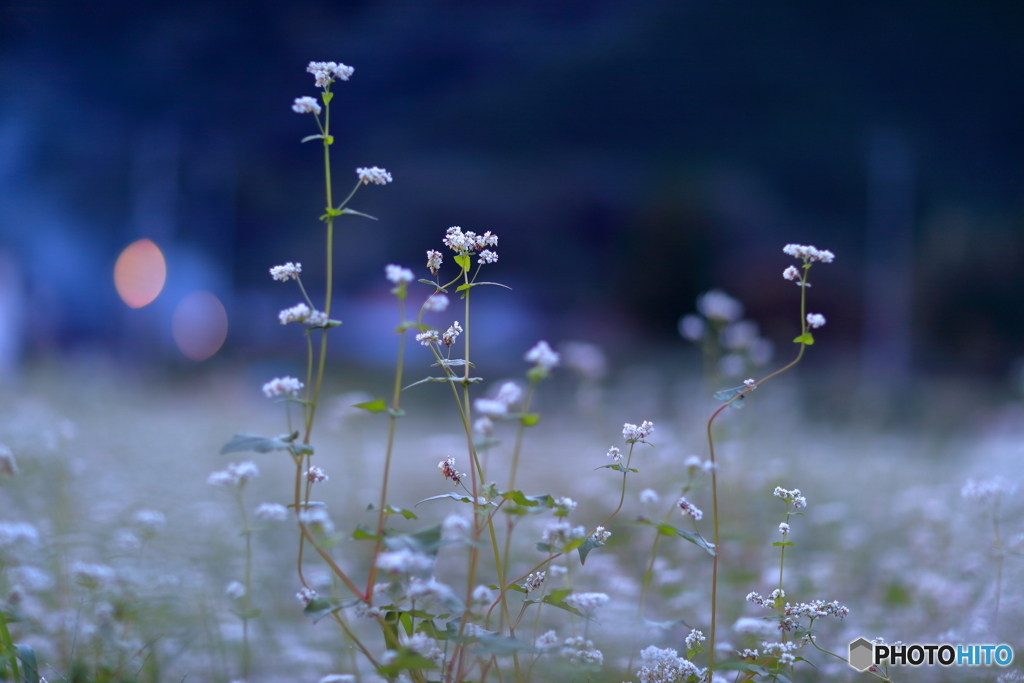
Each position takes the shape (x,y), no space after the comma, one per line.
(378,406)
(320,607)
(465,381)
(461,497)
(327,97)
(312,137)
(261,444)
(780,543)
(391,510)
(529,419)
(412,325)
(617,467)
(545,548)
(464,261)
(359,213)
(405,659)
(427,540)
(520,498)
(30,668)
(587,546)
(469,285)
(499,645)
(805,338)
(555,599)
(669,530)
(363,533)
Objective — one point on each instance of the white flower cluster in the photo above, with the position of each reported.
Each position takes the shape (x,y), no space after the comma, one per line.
(815,320)
(542,355)
(235,475)
(465,242)
(587,603)
(315,475)
(289,271)
(773,598)
(694,640)
(547,640)
(717,305)
(817,608)
(429,337)
(689,508)
(560,533)
(750,384)
(306,105)
(780,648)
(615,454)
(783,528)
(306,596)
(150,520)
(989,488)
(404,561)
(581,650)
(429,590)
(271,512)
(665,666)
(601,534)
(377,176)
(488,256)
(282,386)
(434,259)
(791,273)
(301,313)
(451,334)
(436,303)
(793,496)
(326,72)
(235,590)
(447,467)
(808,253)
(649,496)
(423,645)
(14,532)
(397,274)
(318,520)
(534,581)
(565,503)
(631,433)
(694,463)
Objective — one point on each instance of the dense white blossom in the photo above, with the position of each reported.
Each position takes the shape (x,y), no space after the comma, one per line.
(542,355)
(815,320)
(397,274)
(808,253)
(375,175)
(306,105)
(282,386)
(326,72)
(289,271)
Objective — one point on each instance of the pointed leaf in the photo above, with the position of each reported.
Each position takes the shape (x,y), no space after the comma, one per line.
(617,467)
(427,540)
(464,261)
(461,497)
(359,213)
(495,644)
(587,546)
(378,406)
(29,666)
(669,530)
(805,338)
(312,137)
(362,533)
(320,607)
(254,442)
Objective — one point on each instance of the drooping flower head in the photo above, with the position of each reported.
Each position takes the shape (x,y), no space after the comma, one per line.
(377,176)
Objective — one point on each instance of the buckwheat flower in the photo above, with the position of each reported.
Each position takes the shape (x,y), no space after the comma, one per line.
(282,386)
(691,327)
(509,393)
(717,305)
(791,273)
(306,105)
(93,575)
(547,640)
(778,648)
(483,594)
(447,467)
(235,590)
(429,590)
(566,503)
(587,603)
(397,274)
(455,240)
(451,334)
(989,488)
(364,611)
(808,253)
(338,678)
(600,534)
(615,454)
(694,640)
(777,594)
(794,497)
(436,303)
(649,496)
(404,561)
(316,319)
(689,508)
(483,426)
(427,338)
(318,520)
(296,314)
(692,462)
(128,541)
(236,475)
(754,626)
(488,256)
(271,512)
(787,658)
(150,520)
(306,596)
(631,433)
(542,355)
(815,320)
(455,527)
(747,653)
(326,72)
(581,650)
(375,175)
(561,533)
(434,259)
(534,581)
(490,407)
(783,528)
(315,475)
(665,666)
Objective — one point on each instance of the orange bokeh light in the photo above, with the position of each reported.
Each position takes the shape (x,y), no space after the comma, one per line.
(140,273)
(199,325)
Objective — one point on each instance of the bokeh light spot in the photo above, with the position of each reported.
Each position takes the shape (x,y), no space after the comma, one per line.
(199,325)
(140,273)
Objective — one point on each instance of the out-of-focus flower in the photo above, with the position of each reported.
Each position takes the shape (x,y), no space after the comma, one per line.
(717,305)
(690,509)
(815,320)
(397,274)
(306,105)
(282,386)
(377,176)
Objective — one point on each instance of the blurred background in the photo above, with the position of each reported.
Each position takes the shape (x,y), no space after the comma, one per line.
(630,155)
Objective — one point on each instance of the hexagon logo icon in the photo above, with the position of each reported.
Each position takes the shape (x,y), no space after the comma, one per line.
(862,654)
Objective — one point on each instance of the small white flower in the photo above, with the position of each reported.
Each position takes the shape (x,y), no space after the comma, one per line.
(451,334)
(631,433)
(296,314)
(717,305)
(488,256)
(397,274)
(691,327)
(434,259)
(566,502)
(490,407)
(649,496)
(306,596)
(326,72)
(282,386)
(306,105)
(600,534)
(783,528)
(483,426)
(989,488)
(236,475)
(150,520)
(318,520)
(815,320)
(547,641)
(791,273)
(377,176)
(509,393)
(534,581)
(404,561)
(587,603)
(694,639)
(542,355)
(315,475)
(427,338)
(615,454)
(436,303)
(289,271)
(235,590)
(272,512)
(316,319)
(690,509)
(483,594)
(750,383)
(808,253)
